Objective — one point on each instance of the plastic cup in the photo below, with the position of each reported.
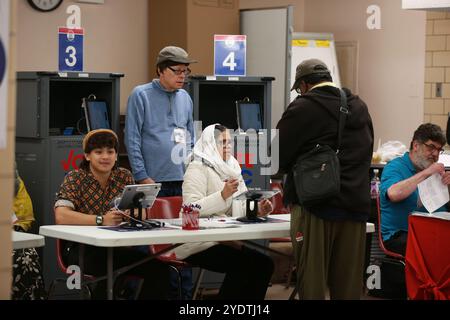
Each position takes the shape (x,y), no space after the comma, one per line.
(190,220)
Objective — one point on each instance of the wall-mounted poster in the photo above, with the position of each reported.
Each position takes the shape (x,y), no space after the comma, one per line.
(4,39)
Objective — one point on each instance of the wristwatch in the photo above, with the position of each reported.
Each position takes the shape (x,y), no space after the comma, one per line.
(99,219)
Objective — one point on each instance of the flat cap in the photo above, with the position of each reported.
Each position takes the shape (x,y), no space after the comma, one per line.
(175,54)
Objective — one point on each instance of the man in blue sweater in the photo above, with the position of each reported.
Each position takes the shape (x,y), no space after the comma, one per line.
(159,119)
(159,130)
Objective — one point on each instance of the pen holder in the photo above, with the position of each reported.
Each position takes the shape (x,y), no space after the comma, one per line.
(190,220)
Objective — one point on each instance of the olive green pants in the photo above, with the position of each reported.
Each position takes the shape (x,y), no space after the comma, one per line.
(330,256)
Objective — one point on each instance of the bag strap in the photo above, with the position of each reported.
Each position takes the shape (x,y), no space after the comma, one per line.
(343,111)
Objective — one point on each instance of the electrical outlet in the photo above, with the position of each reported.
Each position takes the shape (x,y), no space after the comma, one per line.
(439,90)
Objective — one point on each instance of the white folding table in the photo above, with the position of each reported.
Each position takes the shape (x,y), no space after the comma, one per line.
(101,237)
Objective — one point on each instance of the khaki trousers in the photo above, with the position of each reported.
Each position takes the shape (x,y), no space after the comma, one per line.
(330,256)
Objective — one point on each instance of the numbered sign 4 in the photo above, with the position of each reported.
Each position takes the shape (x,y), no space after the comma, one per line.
(230,55)
(70,49)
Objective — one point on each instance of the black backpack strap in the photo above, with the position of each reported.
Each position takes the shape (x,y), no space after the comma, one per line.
(343,111)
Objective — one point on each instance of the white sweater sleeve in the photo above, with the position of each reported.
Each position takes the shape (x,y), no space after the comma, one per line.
(195,190)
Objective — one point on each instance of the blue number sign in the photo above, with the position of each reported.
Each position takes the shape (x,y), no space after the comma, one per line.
(229,55)
(70,49)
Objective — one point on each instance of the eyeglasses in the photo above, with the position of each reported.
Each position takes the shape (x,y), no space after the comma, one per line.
(225,143)
(432,148)
(178,72)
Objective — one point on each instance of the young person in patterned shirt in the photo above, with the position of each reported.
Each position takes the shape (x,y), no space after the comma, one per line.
(85,198)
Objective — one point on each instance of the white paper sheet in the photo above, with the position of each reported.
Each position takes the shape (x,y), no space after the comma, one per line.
(444,158)
(433,193)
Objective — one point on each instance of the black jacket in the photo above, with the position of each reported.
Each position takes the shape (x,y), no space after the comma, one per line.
(313,118)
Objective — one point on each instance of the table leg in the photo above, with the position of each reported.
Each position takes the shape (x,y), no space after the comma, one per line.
(109,267)
(81,265)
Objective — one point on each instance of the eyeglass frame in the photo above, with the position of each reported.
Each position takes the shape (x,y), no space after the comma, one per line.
(177,72)
(431,147)
(226,144)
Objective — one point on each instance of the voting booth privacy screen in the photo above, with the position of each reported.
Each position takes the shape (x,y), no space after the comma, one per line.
(96,113)
(249,115)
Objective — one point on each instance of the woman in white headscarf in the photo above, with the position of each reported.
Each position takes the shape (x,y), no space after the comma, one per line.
(212,177)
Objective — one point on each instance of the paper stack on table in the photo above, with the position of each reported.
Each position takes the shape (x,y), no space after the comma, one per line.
(439,214)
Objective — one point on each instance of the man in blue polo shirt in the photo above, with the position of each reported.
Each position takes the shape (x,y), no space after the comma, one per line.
(399,194)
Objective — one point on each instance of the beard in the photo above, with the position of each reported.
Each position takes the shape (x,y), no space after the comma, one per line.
(422,162)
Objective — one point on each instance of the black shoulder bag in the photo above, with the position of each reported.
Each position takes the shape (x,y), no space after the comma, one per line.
(317,173)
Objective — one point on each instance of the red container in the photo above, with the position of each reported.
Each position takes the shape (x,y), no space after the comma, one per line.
(190,220)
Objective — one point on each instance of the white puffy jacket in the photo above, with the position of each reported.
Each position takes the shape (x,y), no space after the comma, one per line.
(203,186)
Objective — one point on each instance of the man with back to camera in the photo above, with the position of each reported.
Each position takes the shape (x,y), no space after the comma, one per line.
(331,255)
(399,195)
(160,118)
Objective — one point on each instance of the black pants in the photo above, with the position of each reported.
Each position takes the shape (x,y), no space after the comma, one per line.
(397,243)
(247,271)
(171,188)
(154,273)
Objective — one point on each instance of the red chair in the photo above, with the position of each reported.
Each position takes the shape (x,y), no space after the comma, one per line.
(62,265)
(277,200)
(397,256)
(428,258)
(392,267)
(87,279)
(167,208)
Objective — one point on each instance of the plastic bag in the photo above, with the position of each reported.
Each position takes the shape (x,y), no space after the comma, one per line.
(388,151)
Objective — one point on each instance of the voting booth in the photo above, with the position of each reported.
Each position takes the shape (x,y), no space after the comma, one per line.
(50,126)
(240,104)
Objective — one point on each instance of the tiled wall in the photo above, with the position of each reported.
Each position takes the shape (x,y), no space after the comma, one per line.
(437,68)
(6,171)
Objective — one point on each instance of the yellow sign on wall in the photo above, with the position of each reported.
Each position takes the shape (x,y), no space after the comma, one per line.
(300,43)
(322,43)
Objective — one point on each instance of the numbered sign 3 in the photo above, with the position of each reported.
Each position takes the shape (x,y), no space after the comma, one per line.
(70,49)
(229,55)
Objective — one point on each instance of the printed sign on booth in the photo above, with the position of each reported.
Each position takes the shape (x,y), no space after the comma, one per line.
(230,55)
(70,49)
